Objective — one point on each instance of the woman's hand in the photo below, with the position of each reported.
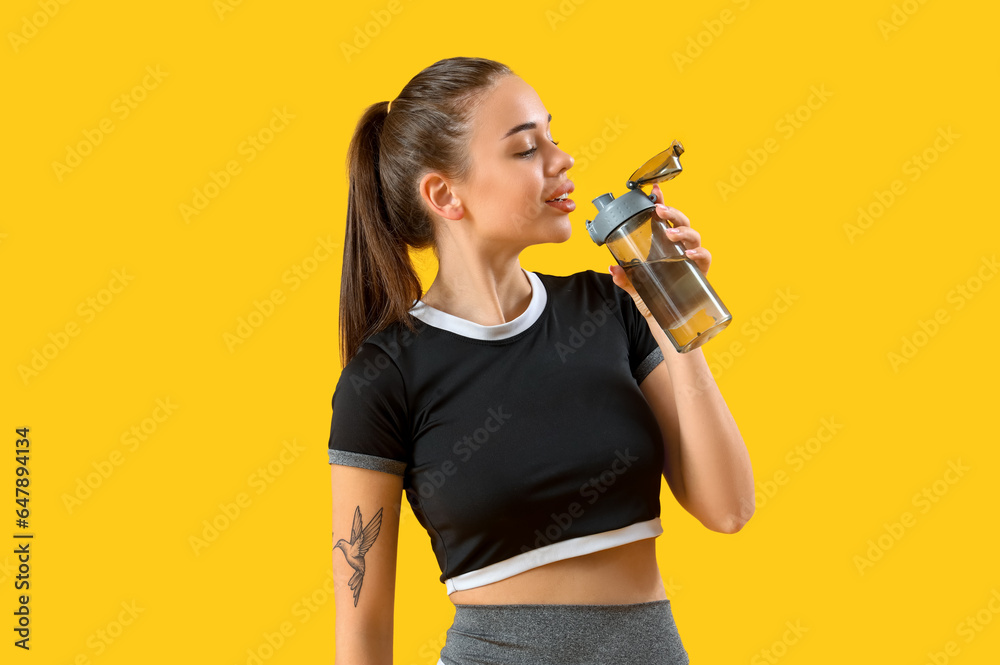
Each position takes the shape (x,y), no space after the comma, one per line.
(682,232)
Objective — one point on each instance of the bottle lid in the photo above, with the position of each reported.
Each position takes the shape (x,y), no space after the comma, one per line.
(663,166)
(612,212)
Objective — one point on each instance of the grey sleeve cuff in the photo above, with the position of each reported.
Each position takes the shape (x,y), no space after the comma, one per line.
(654,358)
(363,461)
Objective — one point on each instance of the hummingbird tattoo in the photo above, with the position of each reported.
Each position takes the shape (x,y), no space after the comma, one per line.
(361,542)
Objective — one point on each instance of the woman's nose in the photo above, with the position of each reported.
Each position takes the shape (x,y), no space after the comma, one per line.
(563,161)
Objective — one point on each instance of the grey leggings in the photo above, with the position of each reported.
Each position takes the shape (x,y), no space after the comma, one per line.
(542,634)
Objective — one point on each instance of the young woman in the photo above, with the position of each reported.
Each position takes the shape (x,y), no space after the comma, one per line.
(527,417)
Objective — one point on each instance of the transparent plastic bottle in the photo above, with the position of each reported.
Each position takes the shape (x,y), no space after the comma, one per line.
(674,289)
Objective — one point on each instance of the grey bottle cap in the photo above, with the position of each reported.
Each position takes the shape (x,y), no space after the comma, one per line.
(612,212)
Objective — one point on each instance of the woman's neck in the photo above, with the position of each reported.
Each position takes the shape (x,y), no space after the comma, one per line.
(481,292)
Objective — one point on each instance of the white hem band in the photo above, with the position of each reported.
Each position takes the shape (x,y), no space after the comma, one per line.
(554,552)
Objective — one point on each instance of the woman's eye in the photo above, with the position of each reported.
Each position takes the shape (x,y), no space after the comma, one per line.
(531,151)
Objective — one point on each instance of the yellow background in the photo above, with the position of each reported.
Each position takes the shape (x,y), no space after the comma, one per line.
(784,229)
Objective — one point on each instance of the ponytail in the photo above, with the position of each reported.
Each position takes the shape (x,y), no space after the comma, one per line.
(427,131)
(377,269)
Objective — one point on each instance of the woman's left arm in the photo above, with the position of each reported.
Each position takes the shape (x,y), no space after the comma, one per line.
(706,463)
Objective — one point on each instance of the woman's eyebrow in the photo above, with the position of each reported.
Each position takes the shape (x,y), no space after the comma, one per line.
(520,128)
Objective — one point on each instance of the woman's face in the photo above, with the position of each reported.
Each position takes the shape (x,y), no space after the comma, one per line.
(515,168)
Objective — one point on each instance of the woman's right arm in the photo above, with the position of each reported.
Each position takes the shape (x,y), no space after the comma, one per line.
(366,506)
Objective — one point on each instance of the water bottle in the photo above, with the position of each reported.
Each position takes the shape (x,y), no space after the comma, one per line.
(674,289)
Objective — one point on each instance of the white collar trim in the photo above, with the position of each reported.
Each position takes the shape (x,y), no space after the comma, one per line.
(438,319)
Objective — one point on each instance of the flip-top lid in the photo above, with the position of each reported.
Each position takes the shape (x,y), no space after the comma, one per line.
(663,166)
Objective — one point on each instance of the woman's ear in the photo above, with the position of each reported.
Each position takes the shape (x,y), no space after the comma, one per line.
(440,197)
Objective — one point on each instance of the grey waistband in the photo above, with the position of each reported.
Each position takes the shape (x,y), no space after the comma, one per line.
(557,634)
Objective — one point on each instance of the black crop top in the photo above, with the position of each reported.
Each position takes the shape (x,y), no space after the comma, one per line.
(519,444)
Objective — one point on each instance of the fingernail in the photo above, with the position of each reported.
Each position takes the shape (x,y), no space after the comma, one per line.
(691,252)
(673,231)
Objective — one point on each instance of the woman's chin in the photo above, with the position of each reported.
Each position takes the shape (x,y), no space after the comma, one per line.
(559,230)
(546,229)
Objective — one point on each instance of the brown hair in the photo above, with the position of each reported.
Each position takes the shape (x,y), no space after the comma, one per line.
(426,130)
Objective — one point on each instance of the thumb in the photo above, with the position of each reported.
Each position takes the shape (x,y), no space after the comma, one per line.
(617,275)
(621,279)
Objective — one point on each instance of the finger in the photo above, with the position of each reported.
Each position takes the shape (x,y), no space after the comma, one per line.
(686,235)
(620,278)
(658,193)
(672,214)
(701,258)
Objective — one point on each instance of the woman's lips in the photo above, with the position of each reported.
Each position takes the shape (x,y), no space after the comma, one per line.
(564,205)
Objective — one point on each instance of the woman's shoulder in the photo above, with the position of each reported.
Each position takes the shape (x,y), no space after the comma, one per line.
(385,346)
(584,281)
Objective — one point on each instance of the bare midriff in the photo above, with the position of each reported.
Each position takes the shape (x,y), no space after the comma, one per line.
(620,575)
